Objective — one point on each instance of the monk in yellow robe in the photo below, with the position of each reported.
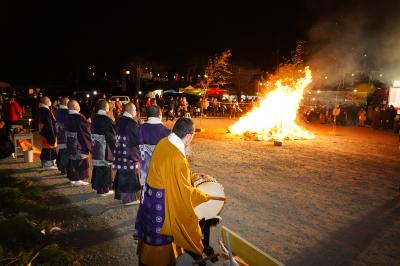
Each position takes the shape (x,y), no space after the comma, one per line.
(166,223)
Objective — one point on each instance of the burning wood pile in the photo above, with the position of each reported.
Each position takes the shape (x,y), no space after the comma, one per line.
(275,118)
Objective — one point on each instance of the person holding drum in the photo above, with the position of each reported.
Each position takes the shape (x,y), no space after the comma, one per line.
(166,223)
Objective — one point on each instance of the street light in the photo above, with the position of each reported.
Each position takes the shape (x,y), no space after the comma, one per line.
(127,72)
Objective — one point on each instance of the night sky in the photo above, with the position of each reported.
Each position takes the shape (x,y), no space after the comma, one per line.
(49,38)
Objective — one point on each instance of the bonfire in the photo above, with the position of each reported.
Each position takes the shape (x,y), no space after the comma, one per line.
(275,117)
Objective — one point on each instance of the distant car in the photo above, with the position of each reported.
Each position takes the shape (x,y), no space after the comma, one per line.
(122,99)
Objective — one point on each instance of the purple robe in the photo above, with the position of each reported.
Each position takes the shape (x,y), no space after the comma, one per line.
(127,160)
(150,134)
(48,133)
(62,155)
(79,145)
(61,118)
(103,141)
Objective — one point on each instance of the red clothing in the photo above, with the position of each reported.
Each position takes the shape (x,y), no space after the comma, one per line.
(12,111)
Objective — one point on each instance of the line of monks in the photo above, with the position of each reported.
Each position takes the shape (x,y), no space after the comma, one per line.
(151,170)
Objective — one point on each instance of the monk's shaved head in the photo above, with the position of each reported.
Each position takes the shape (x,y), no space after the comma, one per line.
(45,100)
(74,105)
(103,105)
(130,107)
(64,101)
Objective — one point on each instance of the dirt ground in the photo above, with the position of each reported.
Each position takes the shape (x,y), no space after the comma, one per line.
(330,201)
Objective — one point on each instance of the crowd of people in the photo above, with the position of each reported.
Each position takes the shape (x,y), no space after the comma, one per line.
(213,106)
(378,117)
(140,163)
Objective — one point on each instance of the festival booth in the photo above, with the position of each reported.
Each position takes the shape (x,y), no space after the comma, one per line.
(191,90)
(170,91)
(216,92)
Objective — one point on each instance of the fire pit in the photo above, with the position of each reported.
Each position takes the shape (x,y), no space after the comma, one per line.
(275,118)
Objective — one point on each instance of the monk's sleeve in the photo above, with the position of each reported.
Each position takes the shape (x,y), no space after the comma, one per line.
(46,127)
(193,176)
(86,137)
(196,196)
(110,134)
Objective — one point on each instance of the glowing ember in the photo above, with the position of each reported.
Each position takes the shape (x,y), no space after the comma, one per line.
(275,118)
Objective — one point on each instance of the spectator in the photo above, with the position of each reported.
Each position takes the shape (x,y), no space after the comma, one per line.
(376,118)
(362,117)
(335,113)
(206,104)
(110,112)
(234,107)
(118,108)
(392,114)
(12,113)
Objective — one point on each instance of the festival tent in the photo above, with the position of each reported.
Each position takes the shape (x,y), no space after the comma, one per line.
(191,90)
(215,91)
(365,87)
(170,91)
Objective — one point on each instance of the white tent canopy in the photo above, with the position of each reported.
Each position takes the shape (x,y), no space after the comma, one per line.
(188,88)
(152,94)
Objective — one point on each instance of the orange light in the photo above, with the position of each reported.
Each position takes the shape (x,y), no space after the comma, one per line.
(275,118)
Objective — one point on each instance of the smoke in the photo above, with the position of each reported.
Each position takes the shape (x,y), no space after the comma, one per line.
(355,37)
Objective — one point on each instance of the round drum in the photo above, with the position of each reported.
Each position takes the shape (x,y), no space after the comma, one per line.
(211,208)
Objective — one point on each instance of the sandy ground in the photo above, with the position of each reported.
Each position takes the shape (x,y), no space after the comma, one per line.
(330,201)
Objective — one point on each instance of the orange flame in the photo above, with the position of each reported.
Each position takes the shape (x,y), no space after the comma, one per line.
(275,118)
